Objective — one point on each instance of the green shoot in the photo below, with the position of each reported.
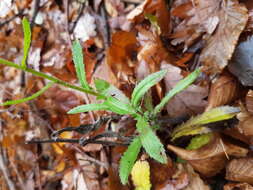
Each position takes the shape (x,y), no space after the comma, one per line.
(181,85)
(79,65)
(35,95)
(128,159)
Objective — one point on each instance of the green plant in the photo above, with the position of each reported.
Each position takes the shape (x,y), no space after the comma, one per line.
(115,101)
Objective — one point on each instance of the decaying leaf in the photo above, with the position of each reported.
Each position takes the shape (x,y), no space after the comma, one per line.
(119,54)
(245,125)
(211,158)
(238,186)
(198,16)
(182,103)
(141,175)
(185,178)
(240,170)
(223,91)
(220,47)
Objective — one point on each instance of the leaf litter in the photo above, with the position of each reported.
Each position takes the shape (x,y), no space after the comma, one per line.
(129,46)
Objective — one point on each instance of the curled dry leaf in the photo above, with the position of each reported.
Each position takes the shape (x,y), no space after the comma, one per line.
(238,186)
(223,91)
(220,47)
(211,158)
(245,125)
(240,170)
(182,103)
(185,179)
(198,17)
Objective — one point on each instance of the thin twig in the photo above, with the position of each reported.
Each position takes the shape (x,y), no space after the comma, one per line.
(45,76)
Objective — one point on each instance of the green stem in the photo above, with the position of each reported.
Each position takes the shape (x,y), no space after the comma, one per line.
(35,95)
(45,76)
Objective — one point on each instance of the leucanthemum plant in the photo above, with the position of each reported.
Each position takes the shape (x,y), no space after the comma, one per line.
(114,100)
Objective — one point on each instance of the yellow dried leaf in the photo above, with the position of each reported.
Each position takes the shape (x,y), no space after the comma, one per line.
(141,175)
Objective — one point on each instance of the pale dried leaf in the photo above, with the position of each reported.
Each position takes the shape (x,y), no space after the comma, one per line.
(238,186)
(223,91)
(240,170)
(211,158)
(220,47)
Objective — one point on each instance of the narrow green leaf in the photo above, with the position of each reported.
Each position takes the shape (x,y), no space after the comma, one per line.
(150,141)
(88,107)
(181,85)
(79,64)
(107,89)
(196,125)
(35,95)
(119,107)
(128,159)
(145,85)
(27,40)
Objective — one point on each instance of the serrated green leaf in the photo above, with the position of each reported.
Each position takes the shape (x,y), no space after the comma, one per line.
(35,95)
(128,159)
(150,141)
(77,52)
(107,89)
(196,125)
(88,107)
(145,85)
(27,40)
(181,85)
(119,107)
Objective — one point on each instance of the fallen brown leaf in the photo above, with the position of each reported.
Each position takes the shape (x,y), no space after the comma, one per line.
(220,47)
(223,91)
(182,103)
(185,178)
(238,186)
(240,170)
(211,158)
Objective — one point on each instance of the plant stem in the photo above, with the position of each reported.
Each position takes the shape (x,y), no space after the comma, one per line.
(45,76)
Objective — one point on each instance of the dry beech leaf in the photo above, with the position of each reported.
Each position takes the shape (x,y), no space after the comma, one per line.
(152,50)
(220,47)
(185,178)
(249,101)
(240,170)
(238,186)
(119,54)
(223,91)
(197,18)
(182,103)
(211,158)
(245,125)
